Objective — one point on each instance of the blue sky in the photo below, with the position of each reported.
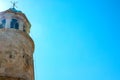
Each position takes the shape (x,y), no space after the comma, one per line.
(74,39)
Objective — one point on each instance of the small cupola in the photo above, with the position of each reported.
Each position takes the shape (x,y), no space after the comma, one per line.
(14,19)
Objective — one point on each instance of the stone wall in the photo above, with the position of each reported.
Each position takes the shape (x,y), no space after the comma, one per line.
(10,78)
(16,55)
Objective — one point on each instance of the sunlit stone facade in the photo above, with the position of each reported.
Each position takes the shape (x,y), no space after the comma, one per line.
(16,46)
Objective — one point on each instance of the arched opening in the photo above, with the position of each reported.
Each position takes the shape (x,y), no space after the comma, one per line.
(14,24)
(2,24)
(24,28)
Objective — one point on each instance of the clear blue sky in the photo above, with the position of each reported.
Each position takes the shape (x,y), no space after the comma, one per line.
(75,39)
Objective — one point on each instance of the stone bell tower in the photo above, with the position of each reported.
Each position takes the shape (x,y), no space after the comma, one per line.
(16,46)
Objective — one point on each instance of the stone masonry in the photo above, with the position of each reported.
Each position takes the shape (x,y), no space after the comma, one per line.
(16,61)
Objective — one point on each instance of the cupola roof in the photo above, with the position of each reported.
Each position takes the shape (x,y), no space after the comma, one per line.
(15,10)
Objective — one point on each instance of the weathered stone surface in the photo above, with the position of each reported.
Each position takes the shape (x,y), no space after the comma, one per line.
(10,78)
(16,55)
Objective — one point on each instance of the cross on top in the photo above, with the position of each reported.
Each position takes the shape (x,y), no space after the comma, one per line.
(14,4)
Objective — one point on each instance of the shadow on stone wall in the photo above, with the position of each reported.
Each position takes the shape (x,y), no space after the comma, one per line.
(10,78)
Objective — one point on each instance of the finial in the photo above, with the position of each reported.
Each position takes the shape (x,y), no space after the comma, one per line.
(14,4)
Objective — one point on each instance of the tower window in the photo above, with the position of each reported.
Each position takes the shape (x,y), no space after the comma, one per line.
(14,24)
(3,22)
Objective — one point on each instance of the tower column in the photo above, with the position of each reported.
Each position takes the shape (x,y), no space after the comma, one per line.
(8,20)
(21,24)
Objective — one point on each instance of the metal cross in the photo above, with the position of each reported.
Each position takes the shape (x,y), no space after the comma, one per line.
(14,3)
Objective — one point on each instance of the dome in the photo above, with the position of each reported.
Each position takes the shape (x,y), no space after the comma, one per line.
(14,10)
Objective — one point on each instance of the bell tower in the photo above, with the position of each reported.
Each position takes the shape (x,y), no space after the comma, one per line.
(16,46)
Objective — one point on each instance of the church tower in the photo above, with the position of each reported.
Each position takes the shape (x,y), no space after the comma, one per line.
(16,46)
